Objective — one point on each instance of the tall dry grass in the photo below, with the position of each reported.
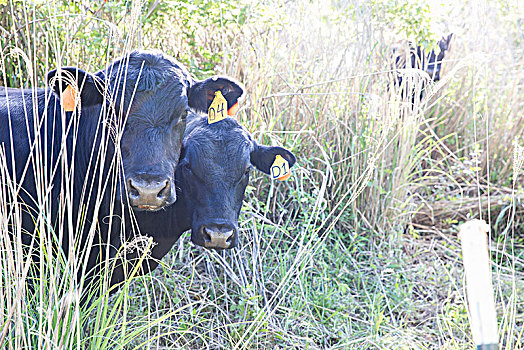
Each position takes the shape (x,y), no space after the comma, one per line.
(43,300)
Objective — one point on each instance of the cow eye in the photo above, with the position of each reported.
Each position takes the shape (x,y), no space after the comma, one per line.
(225,90)
(182,118)
(246,173)
(186,166)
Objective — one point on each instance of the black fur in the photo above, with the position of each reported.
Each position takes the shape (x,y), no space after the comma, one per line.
(138,103)
(212,177)
(417,58)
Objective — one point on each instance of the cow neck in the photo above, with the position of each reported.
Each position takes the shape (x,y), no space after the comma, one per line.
(165,226)
(179,216)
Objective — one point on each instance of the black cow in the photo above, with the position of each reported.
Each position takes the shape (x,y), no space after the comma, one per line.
(135,109)
(412,56)
(212,177)
(145,91)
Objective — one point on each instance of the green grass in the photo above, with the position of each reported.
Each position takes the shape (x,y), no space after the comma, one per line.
(358,250)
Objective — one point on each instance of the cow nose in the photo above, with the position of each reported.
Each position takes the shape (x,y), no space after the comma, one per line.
(218,236)
(148,195)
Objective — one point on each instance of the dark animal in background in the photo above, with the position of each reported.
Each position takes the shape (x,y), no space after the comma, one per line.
(212,177)
(141,101)
(408,55)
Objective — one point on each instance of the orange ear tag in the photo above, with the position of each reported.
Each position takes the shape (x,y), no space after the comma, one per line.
(69,98)
(233,110)
(218,109)
(280,169)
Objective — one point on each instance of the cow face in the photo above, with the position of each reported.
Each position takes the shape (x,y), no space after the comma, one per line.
(435,61)
(147,94)
(213,174)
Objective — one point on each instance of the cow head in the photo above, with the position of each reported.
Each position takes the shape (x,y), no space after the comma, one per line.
(213,174)
(434,62)
(149,95)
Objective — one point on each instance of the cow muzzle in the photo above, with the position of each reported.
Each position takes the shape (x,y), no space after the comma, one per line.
(149,195)
(219,236)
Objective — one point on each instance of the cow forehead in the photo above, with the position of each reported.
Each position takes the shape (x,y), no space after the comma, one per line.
(152,67)
(149,75)
(228,148)
(227,153)
(162,104)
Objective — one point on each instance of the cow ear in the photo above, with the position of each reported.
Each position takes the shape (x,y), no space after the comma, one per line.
(444,42)
(262,157)
(90,86)
(202,93)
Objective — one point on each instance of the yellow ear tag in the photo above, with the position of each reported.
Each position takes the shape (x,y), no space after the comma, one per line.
(69,98)
(280,169)
(218,109)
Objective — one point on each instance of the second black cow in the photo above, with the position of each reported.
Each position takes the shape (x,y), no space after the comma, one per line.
(212,177)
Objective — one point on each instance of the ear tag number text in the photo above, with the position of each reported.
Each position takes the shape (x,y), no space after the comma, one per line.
(280,169)
(69,97)
(218,109)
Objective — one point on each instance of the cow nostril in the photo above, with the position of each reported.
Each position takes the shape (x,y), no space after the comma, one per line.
(231,237)
(207,236)
(133,192)
(164,192)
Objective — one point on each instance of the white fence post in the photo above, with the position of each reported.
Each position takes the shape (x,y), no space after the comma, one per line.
(477,268)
